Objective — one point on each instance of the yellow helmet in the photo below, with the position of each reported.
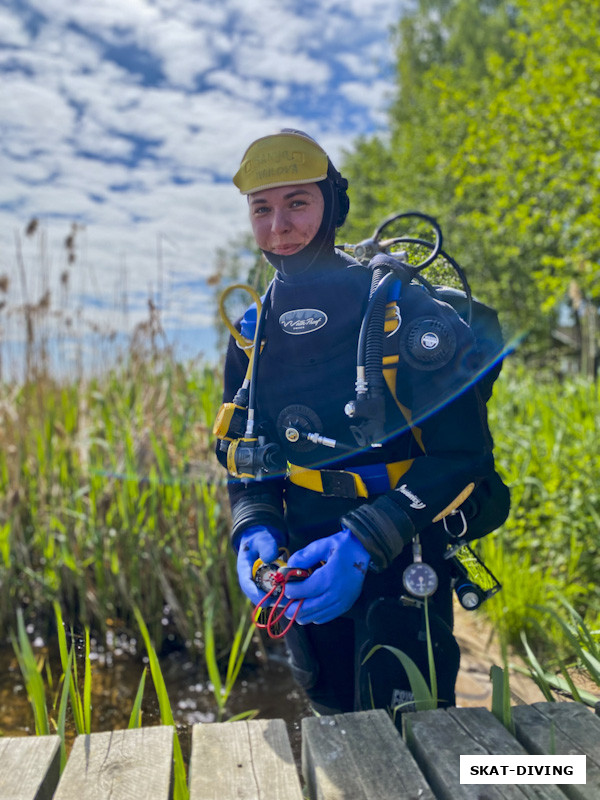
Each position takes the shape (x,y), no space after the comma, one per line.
(281,159)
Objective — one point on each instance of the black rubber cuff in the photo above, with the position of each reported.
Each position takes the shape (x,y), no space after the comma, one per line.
(247,512)
(383,528)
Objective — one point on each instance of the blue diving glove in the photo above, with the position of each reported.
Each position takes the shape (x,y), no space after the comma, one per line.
(257,541)
(333,588)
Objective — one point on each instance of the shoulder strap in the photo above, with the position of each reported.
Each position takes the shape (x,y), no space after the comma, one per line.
(391,358)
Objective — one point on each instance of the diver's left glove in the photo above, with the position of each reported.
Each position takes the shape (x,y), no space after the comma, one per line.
(258,541)
(334,587)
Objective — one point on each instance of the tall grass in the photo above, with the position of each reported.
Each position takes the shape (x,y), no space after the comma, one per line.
(110,496)
(546,436)
(562,672)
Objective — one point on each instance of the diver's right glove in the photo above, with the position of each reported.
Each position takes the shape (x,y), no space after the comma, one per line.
(258,541)
(334,587)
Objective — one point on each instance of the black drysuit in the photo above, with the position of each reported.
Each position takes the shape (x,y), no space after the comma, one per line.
(436,435)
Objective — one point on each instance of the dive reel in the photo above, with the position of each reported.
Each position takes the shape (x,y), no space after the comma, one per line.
(272,578)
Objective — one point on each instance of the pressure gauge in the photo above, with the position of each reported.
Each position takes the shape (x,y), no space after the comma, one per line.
(420,579)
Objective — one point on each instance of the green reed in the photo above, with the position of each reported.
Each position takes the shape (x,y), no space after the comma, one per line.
(110,496)
(81,702)
(222,689)
(180,790)
(501,698)
(51,715)
(545,434)
(135,718)
(579,656)
(50,721)
(425,693)
(34,683)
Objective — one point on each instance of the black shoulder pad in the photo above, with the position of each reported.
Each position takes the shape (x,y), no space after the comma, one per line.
(427,342)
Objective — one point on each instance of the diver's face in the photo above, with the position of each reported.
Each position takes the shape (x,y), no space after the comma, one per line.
(286,219)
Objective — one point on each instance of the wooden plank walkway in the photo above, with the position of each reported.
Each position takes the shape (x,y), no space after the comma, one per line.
(358,756)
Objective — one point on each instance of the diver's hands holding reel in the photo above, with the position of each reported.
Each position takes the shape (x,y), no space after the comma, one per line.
(334,587)
(257,542)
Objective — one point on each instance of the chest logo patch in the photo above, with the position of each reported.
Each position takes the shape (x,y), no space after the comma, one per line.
(302,320)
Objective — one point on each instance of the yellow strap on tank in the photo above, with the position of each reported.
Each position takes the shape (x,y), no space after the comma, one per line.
(390,369)
(392,318)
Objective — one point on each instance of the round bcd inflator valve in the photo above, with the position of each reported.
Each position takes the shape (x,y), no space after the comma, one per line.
(428,343)
(294,422)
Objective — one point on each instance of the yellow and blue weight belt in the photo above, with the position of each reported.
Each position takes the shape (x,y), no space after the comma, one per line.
(364,481)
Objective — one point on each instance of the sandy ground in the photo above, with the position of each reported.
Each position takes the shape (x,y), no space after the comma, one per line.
(480,650)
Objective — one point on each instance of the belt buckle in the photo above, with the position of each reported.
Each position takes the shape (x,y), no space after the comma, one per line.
(337,483)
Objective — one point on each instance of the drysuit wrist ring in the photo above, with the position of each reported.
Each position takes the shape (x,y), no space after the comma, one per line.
(383,528)
(247,513)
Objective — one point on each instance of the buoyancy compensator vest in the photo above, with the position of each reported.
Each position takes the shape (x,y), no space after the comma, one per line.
(308,426)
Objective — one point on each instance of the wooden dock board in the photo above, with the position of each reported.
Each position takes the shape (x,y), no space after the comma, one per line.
(121,765)
(248,759)
(563,729)
(483,727)
(438,738)
(29,767)
(356,756)
(359,756)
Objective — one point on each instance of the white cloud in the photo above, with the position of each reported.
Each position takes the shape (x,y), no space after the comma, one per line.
(374,96)
(13,32)
(99,15)
(35,112)
(184,51)
(297,68)
(95,138)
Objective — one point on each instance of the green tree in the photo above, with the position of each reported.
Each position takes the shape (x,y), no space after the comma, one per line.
(443,42)
(493,131)
(528,171)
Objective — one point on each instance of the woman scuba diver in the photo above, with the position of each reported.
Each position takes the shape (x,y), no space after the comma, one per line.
(359,495)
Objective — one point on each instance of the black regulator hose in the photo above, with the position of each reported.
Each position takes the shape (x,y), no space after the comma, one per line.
(374,337)
(376,306)
(435,247)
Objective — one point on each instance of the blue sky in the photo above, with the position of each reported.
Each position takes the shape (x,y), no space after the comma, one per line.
(128,118)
